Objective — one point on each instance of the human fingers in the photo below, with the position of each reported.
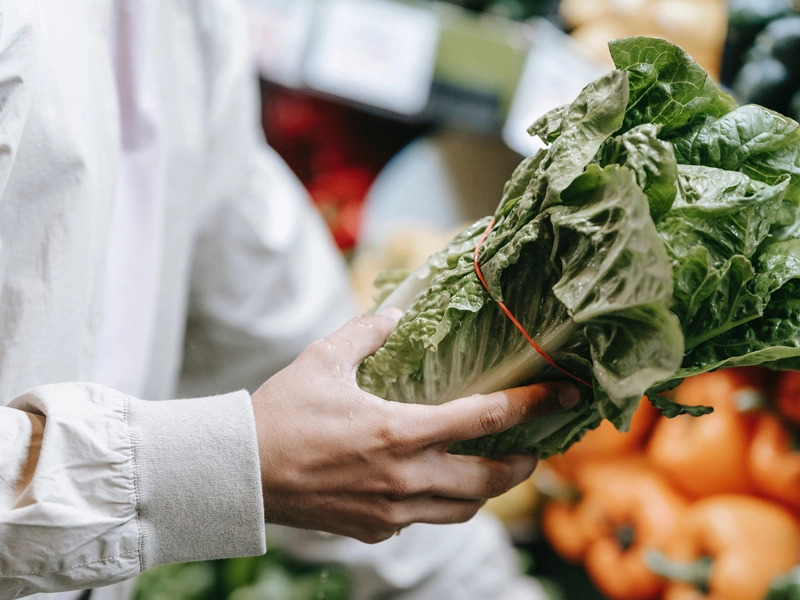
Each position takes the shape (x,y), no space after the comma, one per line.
(477,478)
(476,416)
(398,514)
(438,473)
(357,339)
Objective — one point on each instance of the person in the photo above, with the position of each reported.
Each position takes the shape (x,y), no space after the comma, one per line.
(153,245)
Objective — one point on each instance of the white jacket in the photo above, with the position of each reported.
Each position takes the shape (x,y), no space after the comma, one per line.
(233,276)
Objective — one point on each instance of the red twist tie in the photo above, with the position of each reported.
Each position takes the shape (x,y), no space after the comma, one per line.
(516,323)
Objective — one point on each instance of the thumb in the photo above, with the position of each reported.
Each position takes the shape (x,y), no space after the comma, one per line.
(476,416)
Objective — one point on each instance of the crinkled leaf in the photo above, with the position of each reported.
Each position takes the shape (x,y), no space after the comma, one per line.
(772,167)
(596,113)
(761,143)
(617,282)
(668,88)
(771,340)
(731,303)
(548,126)
(672,409)
(712,233)
(731,140)
(725,212)
(778,262)
(577,256)
(386,282)
(653,162)
(454,340)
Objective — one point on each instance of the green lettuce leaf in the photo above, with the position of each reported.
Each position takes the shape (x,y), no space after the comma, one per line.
(579,261)
(770,167)
(731,140)
(655,238)
(652,160)
(759,142)
(672,409)
(771,340)
(667,87)
(778,263)
(785,587)
(712,233)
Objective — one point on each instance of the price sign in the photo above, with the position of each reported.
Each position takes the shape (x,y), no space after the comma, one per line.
(279,31)
(377,52)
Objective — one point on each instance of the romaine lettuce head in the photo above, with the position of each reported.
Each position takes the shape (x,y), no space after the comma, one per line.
(656,237)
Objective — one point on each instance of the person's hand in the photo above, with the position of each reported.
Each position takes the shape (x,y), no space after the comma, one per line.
(335,458)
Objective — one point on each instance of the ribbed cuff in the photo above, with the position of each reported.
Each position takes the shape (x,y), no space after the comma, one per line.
(198,479)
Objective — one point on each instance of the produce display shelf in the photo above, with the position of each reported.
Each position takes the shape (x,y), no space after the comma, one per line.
(458,68)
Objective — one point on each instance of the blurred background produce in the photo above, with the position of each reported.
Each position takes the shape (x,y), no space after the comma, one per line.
(511,9)
(273,576)
(698,26)
(711,502)
(697,506)
(762,54)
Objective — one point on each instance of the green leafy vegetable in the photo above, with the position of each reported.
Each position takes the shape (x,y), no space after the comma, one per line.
(273,576)
(658,236)
(728,142)
(785,587)
(651,159)
(672,409)
(667,87)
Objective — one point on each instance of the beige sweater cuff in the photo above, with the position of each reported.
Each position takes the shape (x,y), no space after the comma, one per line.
(198,479)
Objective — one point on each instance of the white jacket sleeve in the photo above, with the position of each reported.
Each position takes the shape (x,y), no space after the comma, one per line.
(117,484)
(121,485)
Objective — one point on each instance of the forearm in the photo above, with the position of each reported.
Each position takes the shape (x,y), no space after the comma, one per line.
(97,486)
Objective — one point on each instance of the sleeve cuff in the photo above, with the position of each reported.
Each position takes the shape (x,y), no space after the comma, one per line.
(198,479)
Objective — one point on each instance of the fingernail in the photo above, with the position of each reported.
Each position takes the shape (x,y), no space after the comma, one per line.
(568,395)
(392,313)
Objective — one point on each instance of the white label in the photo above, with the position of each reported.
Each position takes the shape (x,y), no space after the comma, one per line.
(279,30)
(554,74)
(376,52)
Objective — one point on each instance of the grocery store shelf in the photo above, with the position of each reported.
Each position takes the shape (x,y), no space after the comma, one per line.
(418,62)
